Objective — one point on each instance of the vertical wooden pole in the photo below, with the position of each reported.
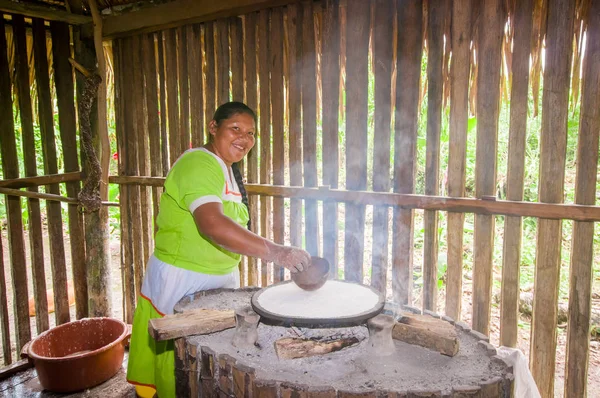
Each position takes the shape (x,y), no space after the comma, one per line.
(237,58)
(277,105)
(55,230)
(435,92)
(4,321)
(294,20)
(210,73)
(383,52)
(553,144)
(128,284)
(36,246)
(252,101)
(357,53)
(142,146)
(410,48)
(309,125)
(183,52)
(492,20)
(172,95)
(194,60)
(459,116)
(331,104)
(264,131)
(222,47)
(10,169)
(582,252)
(511,254)
(164,140)
(152,122)
(63,76)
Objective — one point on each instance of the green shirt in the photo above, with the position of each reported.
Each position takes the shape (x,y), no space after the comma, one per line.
(196,178)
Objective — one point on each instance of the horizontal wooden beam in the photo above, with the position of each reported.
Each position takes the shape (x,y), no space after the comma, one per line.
(45,12)
(41,180)
(46,196)
(178,13)
(406,201)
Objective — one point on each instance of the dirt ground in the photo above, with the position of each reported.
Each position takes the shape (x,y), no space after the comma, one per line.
(524,330)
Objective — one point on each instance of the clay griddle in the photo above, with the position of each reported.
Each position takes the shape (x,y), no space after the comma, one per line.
(358,318)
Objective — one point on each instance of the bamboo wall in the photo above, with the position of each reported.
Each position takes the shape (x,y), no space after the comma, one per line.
(306,69)
(34,72)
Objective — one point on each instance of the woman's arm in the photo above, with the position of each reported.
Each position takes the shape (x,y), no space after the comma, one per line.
(223,231)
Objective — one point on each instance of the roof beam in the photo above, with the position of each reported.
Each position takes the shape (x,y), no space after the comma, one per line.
(45,12)
(180,12)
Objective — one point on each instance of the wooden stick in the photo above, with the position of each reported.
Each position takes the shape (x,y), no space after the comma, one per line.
(237,58)
(195,62)
(172,95)
(46,196)
(265,132)
(383,53)
(35,220)
(35,181)
(277,106)
(409,52)
(511,254)
(490,31)
(309,125)
(557,211)
(210,83)
(4,321)
(435,85)
(459,114)
(331,102)
(222,51)
(252,160)
(358,16)
(184,89)
(65,91)
(164,139)
(80,68)
(553,147)
(576,369)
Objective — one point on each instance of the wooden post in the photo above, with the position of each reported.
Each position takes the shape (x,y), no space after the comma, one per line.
(172,95)
(578,339)
(195,60)
(383,32)
(183,53)
(330,79)
(4,321)
(277,105)
(309,125)
(222,50)
(492,20)
(243,380)
(236,34)
(164,140)
(357,53)
(96,223)
(459,116)
(252,102)
(435,86)
(294,20)
(35,224)
(409,52)
(264,131)
(10,169)
(210,84)
(553,145)
(55,229)
(511,254)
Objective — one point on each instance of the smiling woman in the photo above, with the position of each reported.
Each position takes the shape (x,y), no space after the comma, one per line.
(199,241)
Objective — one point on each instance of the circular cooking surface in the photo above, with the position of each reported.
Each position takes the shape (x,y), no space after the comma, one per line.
(337,303)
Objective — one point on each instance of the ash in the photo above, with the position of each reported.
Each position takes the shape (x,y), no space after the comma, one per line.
(409,368)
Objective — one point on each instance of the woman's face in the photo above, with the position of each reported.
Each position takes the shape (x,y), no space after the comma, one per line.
(233,138)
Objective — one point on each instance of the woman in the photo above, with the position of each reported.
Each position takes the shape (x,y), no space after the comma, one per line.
(201,237)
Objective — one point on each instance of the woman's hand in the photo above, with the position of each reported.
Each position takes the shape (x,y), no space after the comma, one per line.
(292,258)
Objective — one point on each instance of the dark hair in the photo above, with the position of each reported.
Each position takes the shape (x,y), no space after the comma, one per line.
(224,112)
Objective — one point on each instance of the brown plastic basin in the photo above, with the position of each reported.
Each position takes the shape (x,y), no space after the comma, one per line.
(80,354)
